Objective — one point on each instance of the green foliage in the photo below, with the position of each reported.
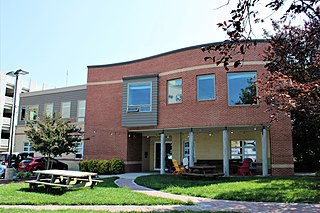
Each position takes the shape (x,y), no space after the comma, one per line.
(113,166)
(22,175)
(318,173)
(258,189)
(53,136)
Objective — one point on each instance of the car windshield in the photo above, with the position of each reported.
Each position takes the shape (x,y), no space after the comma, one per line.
(26,161)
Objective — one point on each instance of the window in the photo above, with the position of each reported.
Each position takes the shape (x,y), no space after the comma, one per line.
(65,109)
(205,87)
(32,112)
(139,97)
(79,148)
(186,149)
(241,149)
(27,147)
(174,91)
(241,88)
(48,109)
(81,110)
(23,114)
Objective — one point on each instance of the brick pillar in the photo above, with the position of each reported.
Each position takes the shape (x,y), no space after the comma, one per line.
(281,147)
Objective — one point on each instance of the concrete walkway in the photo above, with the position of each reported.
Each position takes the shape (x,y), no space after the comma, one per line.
(201,204)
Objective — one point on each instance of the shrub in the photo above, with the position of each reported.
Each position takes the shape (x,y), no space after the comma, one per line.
(113,166)
(318,173)
(22,175)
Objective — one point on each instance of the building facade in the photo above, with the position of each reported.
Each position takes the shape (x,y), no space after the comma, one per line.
(7,88)
(70,102)
(175,105)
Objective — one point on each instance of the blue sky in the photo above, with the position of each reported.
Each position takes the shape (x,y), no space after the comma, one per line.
(52,37)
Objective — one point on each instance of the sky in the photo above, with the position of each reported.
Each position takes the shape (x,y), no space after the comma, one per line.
(55,40)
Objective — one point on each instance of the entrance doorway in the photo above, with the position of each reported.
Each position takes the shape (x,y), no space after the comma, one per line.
(157,155)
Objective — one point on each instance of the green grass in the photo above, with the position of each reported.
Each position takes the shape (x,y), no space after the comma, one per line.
(81,211)
(106,193)
(265,189)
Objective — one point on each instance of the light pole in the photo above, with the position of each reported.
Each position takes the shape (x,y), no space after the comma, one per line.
(15,74)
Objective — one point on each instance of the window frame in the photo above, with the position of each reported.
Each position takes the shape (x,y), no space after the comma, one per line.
(28,112)
(61,111)
(45,110)
(82,118)
(138,106)
(28,147)
(242,147)
(23,115)
(214,87)
(168,91)
(228,88)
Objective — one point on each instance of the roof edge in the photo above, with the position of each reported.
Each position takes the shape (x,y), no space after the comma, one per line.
(166,53)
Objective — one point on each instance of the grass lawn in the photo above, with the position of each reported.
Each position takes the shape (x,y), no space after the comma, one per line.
(82,211)
(106,193)
(272,189)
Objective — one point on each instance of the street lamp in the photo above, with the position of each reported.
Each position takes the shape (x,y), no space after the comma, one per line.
(14,74)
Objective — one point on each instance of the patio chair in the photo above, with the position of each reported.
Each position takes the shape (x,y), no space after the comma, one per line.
(178,169)
(245,167)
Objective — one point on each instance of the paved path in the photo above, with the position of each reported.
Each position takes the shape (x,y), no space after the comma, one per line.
(201,204)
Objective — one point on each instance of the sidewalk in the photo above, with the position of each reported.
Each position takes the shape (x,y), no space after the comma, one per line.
(201,204)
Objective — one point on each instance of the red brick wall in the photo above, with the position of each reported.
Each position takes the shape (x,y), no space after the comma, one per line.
(103,112)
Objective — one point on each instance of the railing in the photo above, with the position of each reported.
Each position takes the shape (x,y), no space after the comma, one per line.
(4,143)
(6,121)
(8,100)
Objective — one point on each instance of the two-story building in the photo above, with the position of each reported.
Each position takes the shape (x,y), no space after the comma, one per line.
(70,102)
(176,105)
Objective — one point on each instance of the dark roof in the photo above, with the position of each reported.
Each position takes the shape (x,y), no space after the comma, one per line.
(166,53)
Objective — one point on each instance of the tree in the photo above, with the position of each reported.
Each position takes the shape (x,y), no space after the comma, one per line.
(53,136)
(291,82)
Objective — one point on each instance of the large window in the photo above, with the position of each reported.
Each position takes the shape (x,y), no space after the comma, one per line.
(241,149)
(174,91)
(27,147)
(205,87)
(139,97)
(48,109)
(241,88)
(81,110)
(65,109)
(32,112)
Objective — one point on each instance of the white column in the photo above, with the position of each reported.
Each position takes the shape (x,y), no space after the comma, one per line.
(191,147)
(225,153)
(162,153)
(264,152)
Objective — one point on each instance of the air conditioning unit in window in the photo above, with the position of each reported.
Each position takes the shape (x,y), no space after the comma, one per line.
(133,109)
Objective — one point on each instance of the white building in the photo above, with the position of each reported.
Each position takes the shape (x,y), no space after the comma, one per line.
(6,105)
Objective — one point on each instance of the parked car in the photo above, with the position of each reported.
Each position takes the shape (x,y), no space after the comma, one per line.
(32,164)
(17,157)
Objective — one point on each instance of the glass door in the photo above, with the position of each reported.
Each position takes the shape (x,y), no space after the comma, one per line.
(157,155)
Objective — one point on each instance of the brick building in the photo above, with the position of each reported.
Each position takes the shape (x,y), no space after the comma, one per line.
(175,105)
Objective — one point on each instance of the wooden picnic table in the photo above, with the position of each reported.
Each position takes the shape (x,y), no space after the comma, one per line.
(63,179)
(203,171)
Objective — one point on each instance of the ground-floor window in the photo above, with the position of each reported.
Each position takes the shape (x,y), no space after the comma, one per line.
(241,149)
(27,148)
(79,153)
(186,149)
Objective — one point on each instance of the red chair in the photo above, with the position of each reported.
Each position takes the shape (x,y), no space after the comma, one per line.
(245,167)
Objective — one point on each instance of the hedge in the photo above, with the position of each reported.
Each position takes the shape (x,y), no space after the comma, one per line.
(113,166)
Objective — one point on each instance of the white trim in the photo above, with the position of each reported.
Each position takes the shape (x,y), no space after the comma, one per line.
(282,166)
(56,90)
(186,69)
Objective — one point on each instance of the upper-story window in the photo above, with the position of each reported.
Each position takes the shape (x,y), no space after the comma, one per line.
(32,112)
(81,110)
(139,97)
(241,88)
(174,92)
(48,109)
(65,109)
(205,87)
(23,113)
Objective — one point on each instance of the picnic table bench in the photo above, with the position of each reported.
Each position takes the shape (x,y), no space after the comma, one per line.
(203,171)
(63,179)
